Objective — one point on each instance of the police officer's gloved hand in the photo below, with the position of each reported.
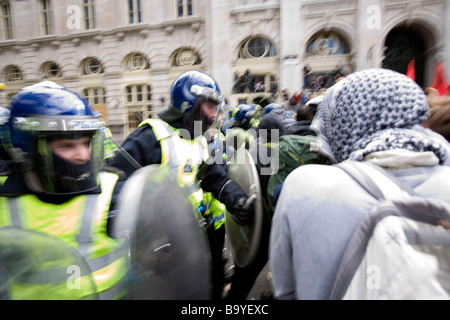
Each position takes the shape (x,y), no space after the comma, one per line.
(243,210)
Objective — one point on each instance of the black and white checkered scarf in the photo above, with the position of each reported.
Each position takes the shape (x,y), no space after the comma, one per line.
(374,110)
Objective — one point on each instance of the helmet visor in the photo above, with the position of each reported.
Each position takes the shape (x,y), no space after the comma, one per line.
(209,94)
(55,173)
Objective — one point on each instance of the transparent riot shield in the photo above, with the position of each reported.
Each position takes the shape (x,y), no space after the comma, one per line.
(169,257)
(245,240)
(36,266)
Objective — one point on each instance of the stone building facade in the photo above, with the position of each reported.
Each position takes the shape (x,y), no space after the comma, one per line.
(123,55)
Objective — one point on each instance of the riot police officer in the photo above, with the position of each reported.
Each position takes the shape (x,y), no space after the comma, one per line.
(176,140)
(57,186)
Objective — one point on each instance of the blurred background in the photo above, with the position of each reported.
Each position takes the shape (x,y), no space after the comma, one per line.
(123,55)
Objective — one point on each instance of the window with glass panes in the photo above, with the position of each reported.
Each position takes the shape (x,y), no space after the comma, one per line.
(184,8)
(95,96)
(51,70)
(91,66)
(46,17)
(13,73)
(134,11)
(89,14)
(6,21)
(138,104)
(136,62)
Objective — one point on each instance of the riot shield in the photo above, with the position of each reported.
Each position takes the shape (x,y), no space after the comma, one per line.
(245,240)
(169,257)
(36,266)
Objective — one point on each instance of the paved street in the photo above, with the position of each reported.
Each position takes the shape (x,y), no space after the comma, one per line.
(261,290)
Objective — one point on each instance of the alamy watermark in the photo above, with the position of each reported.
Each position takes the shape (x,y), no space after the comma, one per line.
(74,277)
(373,21)
(373,277)
(74,20)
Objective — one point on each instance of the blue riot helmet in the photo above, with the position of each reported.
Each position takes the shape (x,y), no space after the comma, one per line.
(188,91)
(45,112)
(242,115)
(269,108)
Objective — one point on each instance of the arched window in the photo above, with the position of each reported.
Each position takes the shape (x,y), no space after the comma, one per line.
(91,66)
(186,57)
(327,44)
(257,47)
(136,62)
(13,74)
(327,60)
(50,70)
(256,69)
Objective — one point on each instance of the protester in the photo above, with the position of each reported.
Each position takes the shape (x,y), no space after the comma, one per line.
(370,116)
(293,150)
(439,118)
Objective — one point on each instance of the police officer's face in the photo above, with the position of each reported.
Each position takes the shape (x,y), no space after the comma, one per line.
(209,110)
(76,151)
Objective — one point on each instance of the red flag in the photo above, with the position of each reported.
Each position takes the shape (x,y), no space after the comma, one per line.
(440,82)
(411,71)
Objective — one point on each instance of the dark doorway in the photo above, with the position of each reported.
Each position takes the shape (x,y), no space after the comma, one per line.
(403,45)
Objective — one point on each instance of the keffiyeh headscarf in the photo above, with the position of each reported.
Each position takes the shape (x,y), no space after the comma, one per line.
(374,110)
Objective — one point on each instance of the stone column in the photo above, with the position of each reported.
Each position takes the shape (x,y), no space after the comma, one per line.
(369,22)
(221,55)
(290,51)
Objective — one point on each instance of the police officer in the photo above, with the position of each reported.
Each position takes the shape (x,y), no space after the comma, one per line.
(57,186)
(176,140)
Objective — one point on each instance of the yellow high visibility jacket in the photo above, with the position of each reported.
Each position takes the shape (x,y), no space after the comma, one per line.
(80,223)
(185,157)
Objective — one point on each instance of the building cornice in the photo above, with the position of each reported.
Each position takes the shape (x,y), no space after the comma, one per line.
(99,35)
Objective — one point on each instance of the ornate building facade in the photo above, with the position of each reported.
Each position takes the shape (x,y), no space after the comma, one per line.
(123,55)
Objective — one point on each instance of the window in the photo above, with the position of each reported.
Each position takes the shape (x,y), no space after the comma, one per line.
(326,44)
(257,47)
(256,67)
(136,62)
(6,21)
(138,93)
(138,103)
(13,74)
(91,66)
(184,8)
(95,96)
(134,11)
(186,58)
(50,70)
(89,14)
(46,17)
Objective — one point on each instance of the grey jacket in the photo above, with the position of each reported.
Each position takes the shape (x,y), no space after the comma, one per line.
(316,214)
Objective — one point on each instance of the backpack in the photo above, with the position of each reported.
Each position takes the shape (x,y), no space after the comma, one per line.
(401,251)
(291,152)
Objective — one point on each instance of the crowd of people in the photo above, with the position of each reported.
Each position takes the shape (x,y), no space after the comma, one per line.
(54,179)
(248,83)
